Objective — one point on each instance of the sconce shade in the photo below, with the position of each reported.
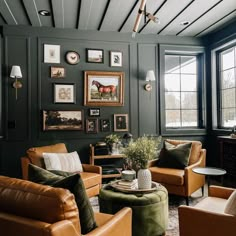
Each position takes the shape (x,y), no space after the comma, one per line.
(16,72)
(150,76)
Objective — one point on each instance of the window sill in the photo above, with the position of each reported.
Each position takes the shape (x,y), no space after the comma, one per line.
(183,132)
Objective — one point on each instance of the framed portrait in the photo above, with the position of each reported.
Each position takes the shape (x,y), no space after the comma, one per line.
(105,125)
(64,93)
(58,72)
(116,59)
(121,122)
(103,88)
(94,55)
(63,120)
(51,53)
(94,112)
(92,125)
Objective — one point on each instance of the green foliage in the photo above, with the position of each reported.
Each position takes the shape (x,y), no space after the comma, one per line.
(112,138)
(139,152)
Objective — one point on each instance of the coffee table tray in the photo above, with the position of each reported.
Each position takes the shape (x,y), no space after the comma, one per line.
(155,186)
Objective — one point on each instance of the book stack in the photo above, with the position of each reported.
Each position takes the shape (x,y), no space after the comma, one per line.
(127,184)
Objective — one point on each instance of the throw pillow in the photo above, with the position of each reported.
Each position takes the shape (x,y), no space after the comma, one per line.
(69,162)
(72,182)
(230,207)
(176,157)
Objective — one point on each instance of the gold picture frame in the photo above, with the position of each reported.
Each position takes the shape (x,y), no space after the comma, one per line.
(103,88)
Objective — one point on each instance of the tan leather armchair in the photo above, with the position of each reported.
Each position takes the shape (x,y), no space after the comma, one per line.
(181,182)
(207,217)
(27,209)
(91,175)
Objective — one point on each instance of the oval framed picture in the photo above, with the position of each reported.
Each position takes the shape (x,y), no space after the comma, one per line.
(72,57)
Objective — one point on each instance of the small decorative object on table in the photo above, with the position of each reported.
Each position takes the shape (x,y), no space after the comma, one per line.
(128,175)
(233,135)
(138,153)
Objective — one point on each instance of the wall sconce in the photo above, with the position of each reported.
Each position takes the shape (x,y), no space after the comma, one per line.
(16,74)
(150,76)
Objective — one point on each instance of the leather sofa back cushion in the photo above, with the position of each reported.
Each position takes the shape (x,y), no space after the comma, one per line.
(36,201)
(35,154)
(230,207)
(195,150)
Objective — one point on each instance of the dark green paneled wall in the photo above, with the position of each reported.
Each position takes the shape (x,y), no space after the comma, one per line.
(24,46)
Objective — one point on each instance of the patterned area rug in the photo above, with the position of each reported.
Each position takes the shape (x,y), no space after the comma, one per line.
(174,203)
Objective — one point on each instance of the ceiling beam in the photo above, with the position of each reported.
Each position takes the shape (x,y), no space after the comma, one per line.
(7,14)
(32,12)
(58,13)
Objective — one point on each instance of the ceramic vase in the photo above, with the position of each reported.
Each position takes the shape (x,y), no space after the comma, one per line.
(144,179)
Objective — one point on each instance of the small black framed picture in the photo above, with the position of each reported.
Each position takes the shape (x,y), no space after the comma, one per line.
(94,55)
(92,126)
(116,59)
(105,125)
(94,112)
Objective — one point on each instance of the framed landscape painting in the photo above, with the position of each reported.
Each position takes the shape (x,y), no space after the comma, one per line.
(63,120)
(94,55)
(103,88)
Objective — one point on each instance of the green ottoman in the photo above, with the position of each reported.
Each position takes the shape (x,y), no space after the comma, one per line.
(149,210)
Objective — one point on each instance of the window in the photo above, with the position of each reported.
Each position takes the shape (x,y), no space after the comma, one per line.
(227,88)
(180,81)
(182,97)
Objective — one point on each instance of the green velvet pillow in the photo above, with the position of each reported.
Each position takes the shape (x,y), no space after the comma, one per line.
(72,182)
(176,157)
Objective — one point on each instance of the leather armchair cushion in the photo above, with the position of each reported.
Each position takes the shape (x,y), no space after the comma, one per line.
(167,175)
(35,154)
(174,156)
(212,204)
(39,198)
(72,182)
(195,150)
(230,207)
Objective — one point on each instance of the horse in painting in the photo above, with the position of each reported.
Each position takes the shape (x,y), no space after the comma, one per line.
(105,89)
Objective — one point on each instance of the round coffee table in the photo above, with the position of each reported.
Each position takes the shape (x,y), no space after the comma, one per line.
(149,210)
(209,171)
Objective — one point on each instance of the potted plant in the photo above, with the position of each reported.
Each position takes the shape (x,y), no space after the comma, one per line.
(111,141)
(138,154)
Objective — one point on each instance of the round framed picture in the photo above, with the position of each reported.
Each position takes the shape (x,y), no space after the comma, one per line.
(72,57)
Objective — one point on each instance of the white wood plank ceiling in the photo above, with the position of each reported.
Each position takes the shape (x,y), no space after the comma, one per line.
(204,16)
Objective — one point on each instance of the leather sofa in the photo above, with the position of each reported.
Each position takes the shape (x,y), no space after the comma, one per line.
(91,175)
(177,181)
(28,208)
(208,217)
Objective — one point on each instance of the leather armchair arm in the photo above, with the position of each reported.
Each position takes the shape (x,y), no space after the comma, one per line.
(193,180)
(119,224)
(92,168)
(152,163)
(24,167)
(62,228)
(221,192)
(197,222)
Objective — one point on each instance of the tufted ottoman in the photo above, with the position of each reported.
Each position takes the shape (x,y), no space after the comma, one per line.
(149,210)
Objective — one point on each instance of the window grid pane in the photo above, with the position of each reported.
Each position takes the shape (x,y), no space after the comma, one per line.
(227,90)
(181,91)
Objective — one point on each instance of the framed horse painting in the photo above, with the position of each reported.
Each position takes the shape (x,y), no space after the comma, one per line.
(103,88)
